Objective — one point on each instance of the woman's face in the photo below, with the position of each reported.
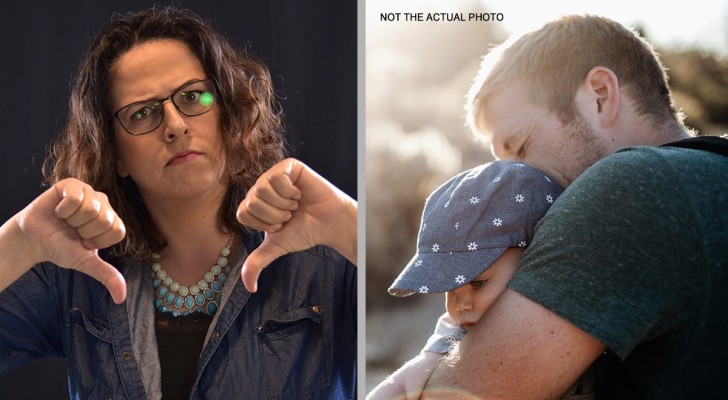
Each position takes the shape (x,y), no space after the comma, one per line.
(183,157)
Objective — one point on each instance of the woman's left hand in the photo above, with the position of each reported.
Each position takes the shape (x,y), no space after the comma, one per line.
(298,209)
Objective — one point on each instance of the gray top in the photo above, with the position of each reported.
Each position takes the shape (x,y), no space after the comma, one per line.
(635,253)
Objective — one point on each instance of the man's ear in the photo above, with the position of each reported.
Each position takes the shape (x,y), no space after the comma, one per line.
(120,169)
(601,88)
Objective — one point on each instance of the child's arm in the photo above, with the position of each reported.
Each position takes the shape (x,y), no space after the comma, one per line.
(408,381)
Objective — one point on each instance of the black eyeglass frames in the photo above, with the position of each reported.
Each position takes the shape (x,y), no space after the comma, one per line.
(193,99)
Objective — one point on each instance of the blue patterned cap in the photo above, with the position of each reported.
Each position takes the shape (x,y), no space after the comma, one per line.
(469,222)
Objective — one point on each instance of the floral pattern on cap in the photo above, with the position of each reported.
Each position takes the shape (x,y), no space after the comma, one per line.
(471,220)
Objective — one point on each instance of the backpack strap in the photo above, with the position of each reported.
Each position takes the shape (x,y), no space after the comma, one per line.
(715,144)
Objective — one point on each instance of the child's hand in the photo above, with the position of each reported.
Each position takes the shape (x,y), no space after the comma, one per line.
(409,380)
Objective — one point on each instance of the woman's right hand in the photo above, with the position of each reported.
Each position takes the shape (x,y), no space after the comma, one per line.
(65,225)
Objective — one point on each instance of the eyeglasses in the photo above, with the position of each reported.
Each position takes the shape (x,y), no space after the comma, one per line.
(193,99)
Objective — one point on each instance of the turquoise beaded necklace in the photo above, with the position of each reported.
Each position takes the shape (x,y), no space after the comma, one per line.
(204,296)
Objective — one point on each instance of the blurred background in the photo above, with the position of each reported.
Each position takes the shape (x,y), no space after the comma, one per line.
(417,74)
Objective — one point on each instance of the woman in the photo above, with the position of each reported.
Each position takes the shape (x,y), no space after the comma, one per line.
(169,130)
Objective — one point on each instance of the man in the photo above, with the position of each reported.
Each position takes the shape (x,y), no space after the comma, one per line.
(632,258)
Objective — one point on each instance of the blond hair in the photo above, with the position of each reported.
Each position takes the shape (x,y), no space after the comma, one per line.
(553,61)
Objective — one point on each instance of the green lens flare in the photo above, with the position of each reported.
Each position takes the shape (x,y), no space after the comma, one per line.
(206,99)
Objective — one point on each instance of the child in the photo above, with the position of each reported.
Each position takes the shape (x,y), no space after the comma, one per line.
(474,229)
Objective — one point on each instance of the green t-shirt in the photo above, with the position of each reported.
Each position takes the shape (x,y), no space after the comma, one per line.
(635,253)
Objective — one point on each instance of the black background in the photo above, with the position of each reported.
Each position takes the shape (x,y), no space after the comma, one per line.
(309,46)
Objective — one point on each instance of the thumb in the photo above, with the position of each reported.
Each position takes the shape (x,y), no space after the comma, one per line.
(105,273)
(259,259)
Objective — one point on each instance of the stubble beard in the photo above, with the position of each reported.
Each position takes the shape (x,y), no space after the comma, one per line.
(586,145)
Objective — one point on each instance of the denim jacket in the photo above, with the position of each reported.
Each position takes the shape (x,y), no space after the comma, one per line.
(293,339)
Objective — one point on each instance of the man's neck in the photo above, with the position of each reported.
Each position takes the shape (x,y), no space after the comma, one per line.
(647,134)
(669,133)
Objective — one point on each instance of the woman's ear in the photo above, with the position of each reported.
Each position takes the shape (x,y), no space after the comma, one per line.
(601,88)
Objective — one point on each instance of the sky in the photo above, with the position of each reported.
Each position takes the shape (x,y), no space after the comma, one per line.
(696,23)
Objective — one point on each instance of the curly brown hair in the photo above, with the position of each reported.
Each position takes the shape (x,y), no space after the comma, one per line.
(250,120)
